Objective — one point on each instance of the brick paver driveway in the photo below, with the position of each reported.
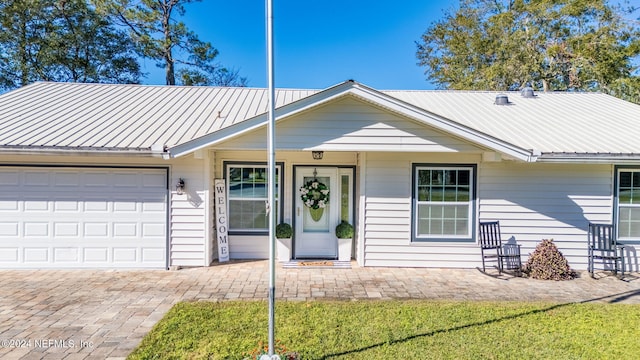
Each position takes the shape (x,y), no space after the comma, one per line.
(102,314)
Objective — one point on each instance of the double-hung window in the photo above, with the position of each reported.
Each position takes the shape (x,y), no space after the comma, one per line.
(628,204)
(248,196)
(443,202)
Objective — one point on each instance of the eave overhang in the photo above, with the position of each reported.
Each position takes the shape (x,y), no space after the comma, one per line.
(80,151)
(592,158)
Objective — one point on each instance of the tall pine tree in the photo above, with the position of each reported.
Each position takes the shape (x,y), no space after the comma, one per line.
(159,36)
(63,40)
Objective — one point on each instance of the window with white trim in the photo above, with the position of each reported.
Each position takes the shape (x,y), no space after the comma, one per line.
(248,196)
(443,198)
(628,200)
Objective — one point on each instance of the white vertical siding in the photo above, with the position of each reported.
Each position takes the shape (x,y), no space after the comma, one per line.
(547,201)
(188,218)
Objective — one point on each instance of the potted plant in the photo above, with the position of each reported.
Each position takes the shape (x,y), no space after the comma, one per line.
(344,232)
(284,232)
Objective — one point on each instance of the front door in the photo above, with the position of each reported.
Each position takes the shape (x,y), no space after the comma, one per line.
(317,210)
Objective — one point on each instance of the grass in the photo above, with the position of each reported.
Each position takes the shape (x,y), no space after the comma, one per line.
(399,330)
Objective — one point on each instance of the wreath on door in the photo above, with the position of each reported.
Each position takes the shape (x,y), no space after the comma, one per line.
(315,196)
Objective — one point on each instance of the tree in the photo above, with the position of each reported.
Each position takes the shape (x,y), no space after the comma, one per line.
(549,44)
(62,40)
(24,26)
(159,36)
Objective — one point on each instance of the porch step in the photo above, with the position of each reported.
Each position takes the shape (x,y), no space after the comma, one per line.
(316,264)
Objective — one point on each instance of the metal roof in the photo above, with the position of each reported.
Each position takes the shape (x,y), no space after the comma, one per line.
(550,122)
(68,116)
(112,117)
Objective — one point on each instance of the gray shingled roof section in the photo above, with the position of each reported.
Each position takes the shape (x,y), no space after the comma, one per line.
(130,117)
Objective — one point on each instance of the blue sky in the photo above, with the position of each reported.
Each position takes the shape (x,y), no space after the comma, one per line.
(317,43)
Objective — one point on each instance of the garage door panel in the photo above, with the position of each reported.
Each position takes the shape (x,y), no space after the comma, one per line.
(95,229)
(36,204)
(36,179)
(148,207)
(9,255)
(125,206)
(153,255)
(126,180)
(95,205)
(67,179)
(66,255)
(36,229)
(65,230)
(9,205)
(9,228)
(67,205)
(153,182)
(84,217)
(35,254)
(153,230)
(123,255)
(93,255)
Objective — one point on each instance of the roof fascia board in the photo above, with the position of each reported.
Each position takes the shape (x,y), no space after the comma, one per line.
(83,152)
(590,158)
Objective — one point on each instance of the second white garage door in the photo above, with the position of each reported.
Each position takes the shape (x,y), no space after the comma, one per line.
(54,217)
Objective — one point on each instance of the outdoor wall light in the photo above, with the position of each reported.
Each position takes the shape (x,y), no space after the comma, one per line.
(180,187)
(317,155)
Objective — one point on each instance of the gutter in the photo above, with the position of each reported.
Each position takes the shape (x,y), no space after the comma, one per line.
(590,158)
(154,151)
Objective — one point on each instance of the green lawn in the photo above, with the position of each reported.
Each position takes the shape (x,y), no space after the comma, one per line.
(399,330)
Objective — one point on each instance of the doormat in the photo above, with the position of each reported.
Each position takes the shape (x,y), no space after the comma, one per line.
(317,264)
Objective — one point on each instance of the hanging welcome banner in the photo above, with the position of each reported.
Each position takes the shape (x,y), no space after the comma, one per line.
(222,220)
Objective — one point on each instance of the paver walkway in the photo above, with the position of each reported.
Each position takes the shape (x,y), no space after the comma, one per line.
(103,314)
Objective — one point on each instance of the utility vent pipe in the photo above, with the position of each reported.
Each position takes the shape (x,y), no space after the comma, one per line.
(502,99)
(527,92)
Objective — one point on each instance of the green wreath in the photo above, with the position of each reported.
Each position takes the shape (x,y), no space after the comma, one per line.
(314,194)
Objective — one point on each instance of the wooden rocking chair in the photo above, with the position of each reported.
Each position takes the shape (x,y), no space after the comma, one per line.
(491,247)
(604,248)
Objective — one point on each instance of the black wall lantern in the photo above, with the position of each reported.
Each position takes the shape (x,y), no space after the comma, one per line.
(180,187)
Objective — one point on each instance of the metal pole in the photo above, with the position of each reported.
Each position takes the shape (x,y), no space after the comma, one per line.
(272,178)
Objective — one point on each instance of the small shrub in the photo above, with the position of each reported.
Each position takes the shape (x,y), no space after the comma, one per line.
(283,231)
(344,230)
(547,263)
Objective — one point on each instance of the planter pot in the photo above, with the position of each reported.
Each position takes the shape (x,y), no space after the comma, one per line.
(344,249)
(283,249)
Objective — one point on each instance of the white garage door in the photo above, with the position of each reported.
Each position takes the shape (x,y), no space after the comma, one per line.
(83,217)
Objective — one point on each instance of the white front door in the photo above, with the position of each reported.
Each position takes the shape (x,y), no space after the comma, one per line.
(315,228)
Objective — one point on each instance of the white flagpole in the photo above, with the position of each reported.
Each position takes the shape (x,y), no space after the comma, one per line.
(272,178)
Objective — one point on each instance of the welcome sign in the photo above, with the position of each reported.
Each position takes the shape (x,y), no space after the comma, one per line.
(222,221)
